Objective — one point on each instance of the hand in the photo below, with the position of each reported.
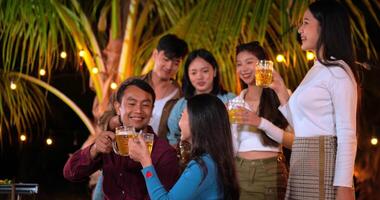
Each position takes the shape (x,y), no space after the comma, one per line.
(114,122)
(280,88)
(103,143)
(245,116)
(345,193)
(138,151)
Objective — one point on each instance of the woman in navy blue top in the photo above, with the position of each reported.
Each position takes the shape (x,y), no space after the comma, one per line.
(210,173)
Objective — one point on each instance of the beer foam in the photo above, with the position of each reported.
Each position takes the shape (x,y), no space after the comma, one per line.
(124,133)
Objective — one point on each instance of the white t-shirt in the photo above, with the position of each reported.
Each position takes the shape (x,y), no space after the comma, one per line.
(325,104)
(157,110)
(248,138)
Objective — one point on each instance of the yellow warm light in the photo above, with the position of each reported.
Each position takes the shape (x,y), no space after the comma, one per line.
(280,58)
(13,86)
(310,55)
(374,141)
(49,141)
(113,86)
(42,72)
(82,53)
(23,137)
(63,54)
(94,70)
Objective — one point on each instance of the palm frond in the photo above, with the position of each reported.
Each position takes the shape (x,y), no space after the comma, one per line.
(23,108)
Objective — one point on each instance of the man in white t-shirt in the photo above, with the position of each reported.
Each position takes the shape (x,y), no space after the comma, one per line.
(167,57)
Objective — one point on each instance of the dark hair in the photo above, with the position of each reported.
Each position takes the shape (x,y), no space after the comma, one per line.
(187,87)
(134,82)
(172,46)
(214,139)
(335,33)
(254,48)
(269,101)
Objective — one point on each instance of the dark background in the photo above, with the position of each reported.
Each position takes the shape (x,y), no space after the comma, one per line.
(35,162)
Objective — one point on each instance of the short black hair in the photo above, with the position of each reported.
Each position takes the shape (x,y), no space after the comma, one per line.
(172,46)
(134,82)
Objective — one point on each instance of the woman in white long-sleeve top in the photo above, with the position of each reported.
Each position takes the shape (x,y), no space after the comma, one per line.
(322,110)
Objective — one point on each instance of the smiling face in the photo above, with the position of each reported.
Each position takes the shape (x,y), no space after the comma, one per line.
(310,31)
(184,125)
(201,75)
(135,107)
(245,67)
(164,68)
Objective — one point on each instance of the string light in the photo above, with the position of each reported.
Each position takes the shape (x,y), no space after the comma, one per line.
(280,58)
(94,70)
(113,85)
(23,137)
(49,141)
(310,55)
(42,72)
(82,53)
(63,54)
(13,86)
(374,141)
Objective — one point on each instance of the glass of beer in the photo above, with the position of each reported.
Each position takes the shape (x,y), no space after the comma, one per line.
(122,134)
(234,106)
(149,139)
(263,74)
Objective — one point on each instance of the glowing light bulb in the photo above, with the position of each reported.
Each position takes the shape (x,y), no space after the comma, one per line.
(280,58)
(23,137)
(82,53)
(63,54)
(49,141)
(310,55)
(113,86)
(42,72)
(374,141)
(94,70)
(13,86)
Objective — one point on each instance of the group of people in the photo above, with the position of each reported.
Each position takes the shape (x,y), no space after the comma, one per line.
(239,159)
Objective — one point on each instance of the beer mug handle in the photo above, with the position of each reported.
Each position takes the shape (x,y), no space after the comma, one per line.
(115,148)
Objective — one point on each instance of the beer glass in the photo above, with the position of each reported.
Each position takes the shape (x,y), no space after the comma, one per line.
(122,134)
(234,106)
(149,139)
(263,74)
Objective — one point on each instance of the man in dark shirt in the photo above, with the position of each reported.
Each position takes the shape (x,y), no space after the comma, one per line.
(122,176)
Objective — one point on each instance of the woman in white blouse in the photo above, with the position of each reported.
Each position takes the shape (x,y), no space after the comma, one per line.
(322,110)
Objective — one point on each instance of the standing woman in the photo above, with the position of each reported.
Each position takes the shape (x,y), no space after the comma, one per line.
(211,172)
(260,162)
(322,109)
(201,76)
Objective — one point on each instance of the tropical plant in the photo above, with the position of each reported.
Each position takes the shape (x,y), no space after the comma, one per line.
(34,33)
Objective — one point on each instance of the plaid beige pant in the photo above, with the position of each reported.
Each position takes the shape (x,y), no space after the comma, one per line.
(312,166)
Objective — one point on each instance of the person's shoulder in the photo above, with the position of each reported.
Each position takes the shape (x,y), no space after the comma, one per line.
(337,70)
(226,96)
(180,104)
(230,95)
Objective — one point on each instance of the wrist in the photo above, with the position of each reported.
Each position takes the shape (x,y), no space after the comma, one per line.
(146,162)
(93,151)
